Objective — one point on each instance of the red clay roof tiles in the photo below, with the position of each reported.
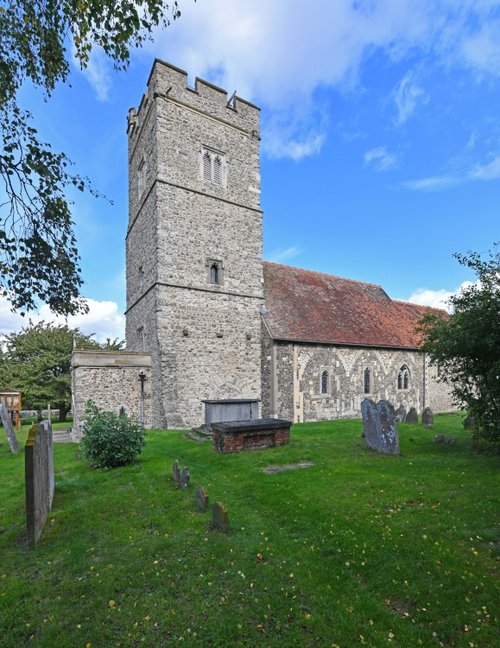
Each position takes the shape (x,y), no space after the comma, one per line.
(307,306)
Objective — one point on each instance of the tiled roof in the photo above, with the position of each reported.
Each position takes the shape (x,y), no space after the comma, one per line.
(307,306)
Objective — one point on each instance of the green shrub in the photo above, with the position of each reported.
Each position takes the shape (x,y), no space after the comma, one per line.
(109,440)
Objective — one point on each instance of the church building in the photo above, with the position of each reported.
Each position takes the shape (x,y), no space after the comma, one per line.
(206,318)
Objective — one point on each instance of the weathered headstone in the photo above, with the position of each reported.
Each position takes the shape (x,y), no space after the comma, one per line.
(9,430)
(184,478)
(176,472)
(39,479)
(219,518)
(427,418)
(412,416)
(379,421)
(201,499)
(400,414)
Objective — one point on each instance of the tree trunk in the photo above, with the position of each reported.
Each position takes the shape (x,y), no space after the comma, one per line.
(63,411)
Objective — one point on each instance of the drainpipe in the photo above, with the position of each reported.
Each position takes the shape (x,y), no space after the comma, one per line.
(424,394)
(142,378)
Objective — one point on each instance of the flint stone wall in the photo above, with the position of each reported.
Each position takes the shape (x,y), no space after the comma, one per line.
(291,380)
(111,380)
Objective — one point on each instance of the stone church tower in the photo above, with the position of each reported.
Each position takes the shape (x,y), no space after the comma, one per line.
(194,245)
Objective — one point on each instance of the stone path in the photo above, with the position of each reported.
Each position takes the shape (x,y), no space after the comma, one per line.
(62,436)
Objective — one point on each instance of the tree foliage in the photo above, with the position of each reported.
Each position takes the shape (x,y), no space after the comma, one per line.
(38,253)
(37,361)
(466,346)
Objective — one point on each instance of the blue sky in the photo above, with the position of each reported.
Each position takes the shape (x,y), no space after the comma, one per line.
(380,138)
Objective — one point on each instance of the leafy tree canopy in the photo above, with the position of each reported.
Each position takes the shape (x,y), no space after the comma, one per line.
(37,361)
(466,346)
(38,253)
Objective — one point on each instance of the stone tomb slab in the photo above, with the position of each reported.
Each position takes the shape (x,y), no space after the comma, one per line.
(294,466)
(236,436)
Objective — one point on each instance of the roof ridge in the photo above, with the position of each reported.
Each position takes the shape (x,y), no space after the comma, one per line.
(325,274)
(409,303)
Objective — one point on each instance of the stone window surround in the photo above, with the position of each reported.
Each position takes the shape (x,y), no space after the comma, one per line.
(210,263)
(141,337)
(367,380)
(216,171)
(325,373)
(403,382)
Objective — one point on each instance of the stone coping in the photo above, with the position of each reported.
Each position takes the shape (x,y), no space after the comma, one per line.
(249,426)
(232,400)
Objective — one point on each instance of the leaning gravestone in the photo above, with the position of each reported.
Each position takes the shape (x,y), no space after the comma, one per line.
(39,479)
(219,518)
(9,430)
(412,416)
(400,414)
(201,499)
(176,472)
(427,418)
(379,421)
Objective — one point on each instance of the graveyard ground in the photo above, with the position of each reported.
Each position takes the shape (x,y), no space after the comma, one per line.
(359,549)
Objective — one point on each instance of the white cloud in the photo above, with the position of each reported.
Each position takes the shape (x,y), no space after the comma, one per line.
(97,72)
(490,171)
(281,255)
(408,96)
(380,159)
(481,50)
(483,172)
(436,298)
(103,319)
(433,183)
(280,53)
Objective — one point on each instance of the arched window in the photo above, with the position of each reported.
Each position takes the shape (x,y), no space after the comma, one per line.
(404,378)
(367,381)
(214,273)
(324,382)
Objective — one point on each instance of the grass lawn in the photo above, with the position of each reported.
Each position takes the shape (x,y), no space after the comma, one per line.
(360,549)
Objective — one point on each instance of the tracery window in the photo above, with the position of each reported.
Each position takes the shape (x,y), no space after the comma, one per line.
(404,378)
(213,167)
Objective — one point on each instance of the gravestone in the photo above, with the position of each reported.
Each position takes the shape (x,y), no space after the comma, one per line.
(412,416)
(39,479)
(184,478)
(379,421)
(176,472)
(219,518)
(427,418)
(201,499)
(9,430)
(468,423)
(400,414)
